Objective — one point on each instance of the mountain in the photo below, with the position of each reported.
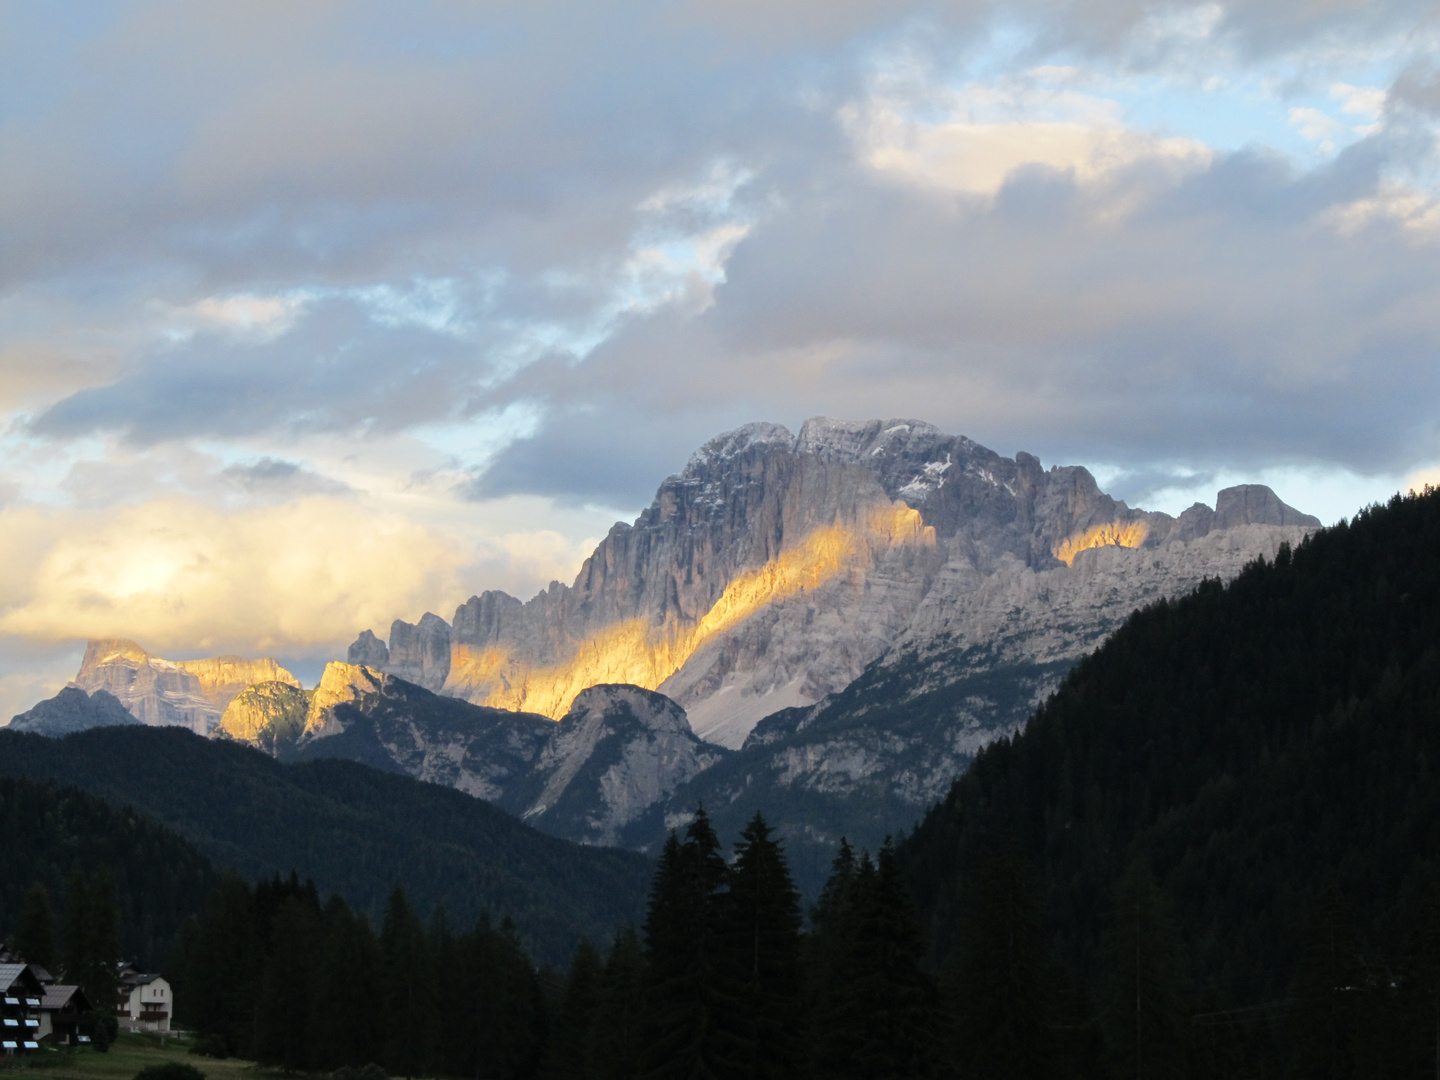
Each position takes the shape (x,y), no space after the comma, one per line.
(619,752)
(857,610)
(49,831)
(72,710)
(1268,748)
(185,693)
(853,612)
(870,760)
(355,830)
(775,567)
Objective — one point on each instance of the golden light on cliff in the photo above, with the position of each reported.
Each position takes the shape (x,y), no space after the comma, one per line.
(644,655)
(1111,534)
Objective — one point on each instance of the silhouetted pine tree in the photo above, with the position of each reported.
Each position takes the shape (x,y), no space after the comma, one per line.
(695,1027)
(1002,988)
(762,938)
(879,1022)
(618,1034)
(1146,1022)
(35,941)
(92,936)
(289,989)
(569,1054)
(347,1016)
(1331,990)
(404,987)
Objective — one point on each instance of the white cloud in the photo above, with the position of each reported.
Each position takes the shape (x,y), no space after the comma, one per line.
(245,314)
(970,140)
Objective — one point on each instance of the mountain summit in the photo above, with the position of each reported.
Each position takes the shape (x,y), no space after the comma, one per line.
(775,567)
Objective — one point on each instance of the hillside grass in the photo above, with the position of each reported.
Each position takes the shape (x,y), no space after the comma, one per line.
(131,1053)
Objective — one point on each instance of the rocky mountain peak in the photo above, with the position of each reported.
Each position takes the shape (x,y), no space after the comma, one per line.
(775,567)
(72,710)
(187,693)
(732,443)
(340,684)
(270,715)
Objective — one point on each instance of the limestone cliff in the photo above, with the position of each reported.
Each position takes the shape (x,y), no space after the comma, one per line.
(775,567)
(270,716)
(187,693)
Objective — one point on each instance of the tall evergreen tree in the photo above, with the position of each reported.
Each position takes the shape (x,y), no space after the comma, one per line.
(569,1054)
(1145,1024)
(347,1020)
(762,940)
(695,1025)
(92,935)
(880,1023)
(289,998)
(35,941)
(404,988)
(618,1036)
(1330,995)
(1002,987)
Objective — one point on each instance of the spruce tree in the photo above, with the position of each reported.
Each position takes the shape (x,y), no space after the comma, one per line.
(1146,1023)
(1001,988)
(1330,986)
(695,1027)
(35,941)
(879,1022)
(617,1050)
(762,943)
(92,936)
(569,1055)
(347,1020)
(404,987)
(289,999)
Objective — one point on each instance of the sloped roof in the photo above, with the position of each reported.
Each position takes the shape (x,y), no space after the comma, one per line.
(57,997)
(10,974)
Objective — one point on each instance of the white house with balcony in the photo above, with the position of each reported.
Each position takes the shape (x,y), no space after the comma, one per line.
(146,1001)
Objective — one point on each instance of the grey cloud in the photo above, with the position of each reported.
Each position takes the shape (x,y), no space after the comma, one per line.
(225,148)
(1225,325)
(613,451)
(273,475)
(335,371)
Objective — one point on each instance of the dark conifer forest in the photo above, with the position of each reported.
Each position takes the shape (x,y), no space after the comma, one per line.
(354,829)
(60,846)
(1216,849)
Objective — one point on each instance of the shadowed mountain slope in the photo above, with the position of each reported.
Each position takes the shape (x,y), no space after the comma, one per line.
(1256,743)
(355,830)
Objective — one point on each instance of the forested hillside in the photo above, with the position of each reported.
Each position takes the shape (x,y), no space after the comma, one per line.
(1241,786)
(356,831)
(50,834)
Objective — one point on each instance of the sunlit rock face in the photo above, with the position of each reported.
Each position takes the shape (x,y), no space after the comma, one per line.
(72,710)
(186,693)
(269,716)
(775,567)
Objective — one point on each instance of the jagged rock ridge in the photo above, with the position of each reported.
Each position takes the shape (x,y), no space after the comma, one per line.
(592,777)
(775,567)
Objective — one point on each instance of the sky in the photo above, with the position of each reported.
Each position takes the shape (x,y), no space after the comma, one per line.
(313,316)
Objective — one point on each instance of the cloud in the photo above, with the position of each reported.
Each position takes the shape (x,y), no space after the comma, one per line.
(271,475)
(386,277)
(179,575)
